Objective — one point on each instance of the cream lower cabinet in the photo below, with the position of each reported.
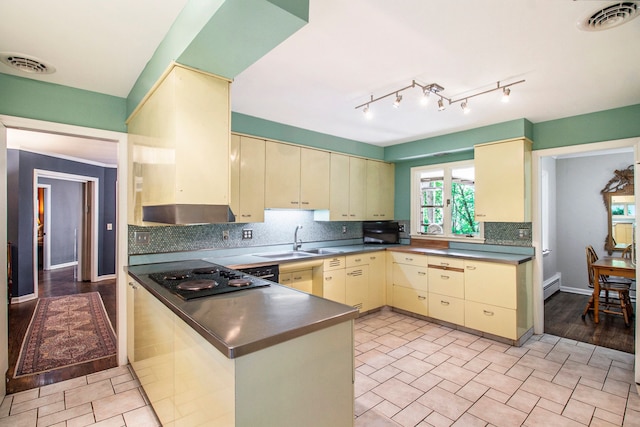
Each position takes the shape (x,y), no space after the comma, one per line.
(446,289)
(333,279)
(356,286)
(305,276)
(409,282)
(376,290)
(498,298)
(301,280)
(190,383)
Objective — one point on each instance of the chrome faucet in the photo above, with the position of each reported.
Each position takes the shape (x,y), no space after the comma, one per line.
(296,243)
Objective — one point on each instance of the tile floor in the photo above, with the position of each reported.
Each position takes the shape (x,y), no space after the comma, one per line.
(410,372)
(111,398)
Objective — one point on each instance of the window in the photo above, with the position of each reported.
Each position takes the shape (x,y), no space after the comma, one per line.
(443,202)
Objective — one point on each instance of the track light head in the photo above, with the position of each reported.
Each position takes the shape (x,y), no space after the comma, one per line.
(425,96)
(398,100)
(441,106)
(505,94)
(465,107)
(367,112)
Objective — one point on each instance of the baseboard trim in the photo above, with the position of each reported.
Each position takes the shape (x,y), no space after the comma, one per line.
(571,290)
(65,265)
(23,298)
(105,277)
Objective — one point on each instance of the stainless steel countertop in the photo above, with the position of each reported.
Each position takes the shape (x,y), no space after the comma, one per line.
(499,257)
(249,320)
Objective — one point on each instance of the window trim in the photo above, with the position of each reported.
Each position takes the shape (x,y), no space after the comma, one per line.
(415,205)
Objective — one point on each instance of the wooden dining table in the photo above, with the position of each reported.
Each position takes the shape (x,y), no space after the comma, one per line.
(609,266)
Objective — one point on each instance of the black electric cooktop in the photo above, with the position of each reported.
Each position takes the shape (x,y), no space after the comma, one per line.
(207,281)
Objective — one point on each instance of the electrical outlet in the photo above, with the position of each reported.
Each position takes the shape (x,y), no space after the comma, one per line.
(401,228)
(247,233)
(344,229)
(142,237)
(225,234)
(523,233)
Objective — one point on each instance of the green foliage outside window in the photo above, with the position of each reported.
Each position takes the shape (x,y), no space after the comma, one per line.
(463,209)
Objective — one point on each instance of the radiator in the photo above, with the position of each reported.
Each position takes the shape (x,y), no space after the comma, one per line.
(552,285)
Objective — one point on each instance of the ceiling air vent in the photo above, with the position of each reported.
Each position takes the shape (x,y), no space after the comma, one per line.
(609,17)
(26,64)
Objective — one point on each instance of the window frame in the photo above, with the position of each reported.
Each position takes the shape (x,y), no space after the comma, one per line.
(415,232)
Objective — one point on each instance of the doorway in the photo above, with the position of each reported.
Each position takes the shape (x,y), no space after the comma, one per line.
(74,234)
(561,264)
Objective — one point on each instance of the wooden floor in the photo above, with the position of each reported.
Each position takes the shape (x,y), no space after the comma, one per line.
(55,283)
(563,318)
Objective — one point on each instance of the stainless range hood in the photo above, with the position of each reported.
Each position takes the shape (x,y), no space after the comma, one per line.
(188,214)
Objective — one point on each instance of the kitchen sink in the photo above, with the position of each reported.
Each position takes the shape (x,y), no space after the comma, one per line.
(322,251)
(286,255)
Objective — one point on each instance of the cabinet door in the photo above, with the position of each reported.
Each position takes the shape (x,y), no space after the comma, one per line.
(314,178)
(247,178)
(302,280)
(380,190)
(339,188)
(357,188)
(285,279)
(491,283)
(411,300)
(376,296)
(357,279)
(282,176)
(154,352)
(502,181)
(333,285)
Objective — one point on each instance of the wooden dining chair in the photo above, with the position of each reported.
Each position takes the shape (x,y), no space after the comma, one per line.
(621,305)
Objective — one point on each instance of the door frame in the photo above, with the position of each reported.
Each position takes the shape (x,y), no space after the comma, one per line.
(92,261)
(120,138)
(46,227)
(538,292)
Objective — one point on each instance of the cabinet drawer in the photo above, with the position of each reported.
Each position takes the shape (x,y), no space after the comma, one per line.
(491,283)
(446,262)
(356,260)
(490,318)
(446,282)
(410,276)
(333,285)
(411,300)
(410,259)
(446,308)
(333,263)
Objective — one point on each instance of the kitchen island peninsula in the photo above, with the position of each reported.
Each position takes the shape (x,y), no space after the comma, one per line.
(266,355)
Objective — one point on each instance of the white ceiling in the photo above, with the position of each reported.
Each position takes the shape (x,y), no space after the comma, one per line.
(352,50)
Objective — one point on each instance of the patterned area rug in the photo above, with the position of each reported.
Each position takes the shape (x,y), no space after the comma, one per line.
(66,331)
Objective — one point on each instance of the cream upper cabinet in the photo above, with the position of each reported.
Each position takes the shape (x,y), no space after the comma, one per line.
(380,190)
(347,186)
(314,176)
(179,143)
(247,178)
(296,177)
(503,181)
(282,176)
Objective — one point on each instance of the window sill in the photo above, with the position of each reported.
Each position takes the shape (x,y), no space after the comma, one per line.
(478,240)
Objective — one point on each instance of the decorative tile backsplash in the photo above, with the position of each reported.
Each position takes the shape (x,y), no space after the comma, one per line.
(278,228)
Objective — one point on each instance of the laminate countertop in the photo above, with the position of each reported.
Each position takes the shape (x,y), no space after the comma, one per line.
(248,320)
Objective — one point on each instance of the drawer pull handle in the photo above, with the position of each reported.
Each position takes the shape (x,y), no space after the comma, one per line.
(328,278)
(482,215)
(423,298)
(132,285)
(408,259)
(358,260)
(443,277)
(444,302)
(305,203)
(444,263)
(297,278)
(372,257)
(294,203)
(470,267)
(488,313)
(421,273)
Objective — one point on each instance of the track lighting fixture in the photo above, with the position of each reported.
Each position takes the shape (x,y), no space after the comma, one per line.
(435,89)
(505,94)
(398,100)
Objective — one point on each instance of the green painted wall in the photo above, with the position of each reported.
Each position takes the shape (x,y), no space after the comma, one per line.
(38,100)
(242,123)
(608,125)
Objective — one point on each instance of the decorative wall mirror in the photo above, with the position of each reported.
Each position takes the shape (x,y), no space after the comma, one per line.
(619,200)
